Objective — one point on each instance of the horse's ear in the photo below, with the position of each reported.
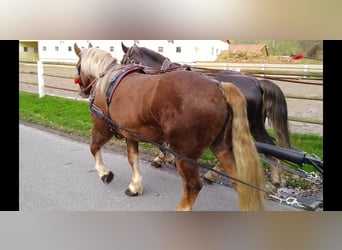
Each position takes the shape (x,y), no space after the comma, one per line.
(124,48)
(77,49)
(90,45)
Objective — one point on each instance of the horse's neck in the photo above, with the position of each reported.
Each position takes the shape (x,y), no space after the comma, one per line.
(161,62)
(99,68)
(151,62)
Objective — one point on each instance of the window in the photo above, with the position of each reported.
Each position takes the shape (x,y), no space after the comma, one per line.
(178,49)
(56,48)
(25,49)
(69,48)
(170,41)
(44,48)
(111,48)
(160,49)
(212,51)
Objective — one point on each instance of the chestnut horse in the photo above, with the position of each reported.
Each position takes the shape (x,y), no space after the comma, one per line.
(264,100)
(182,108)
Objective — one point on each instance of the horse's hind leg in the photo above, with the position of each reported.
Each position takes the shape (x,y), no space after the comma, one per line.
(98,140)
(135,187)
(192,184)
(225,164)
(212,176)
(163,157)
(276,179)
(248,200)
(260,134)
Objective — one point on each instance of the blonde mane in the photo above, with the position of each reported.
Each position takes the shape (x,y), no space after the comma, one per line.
(95,61)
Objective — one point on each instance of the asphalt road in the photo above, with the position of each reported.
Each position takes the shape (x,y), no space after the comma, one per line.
(57,173)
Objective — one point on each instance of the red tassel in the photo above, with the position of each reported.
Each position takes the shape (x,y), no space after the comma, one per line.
(77,80)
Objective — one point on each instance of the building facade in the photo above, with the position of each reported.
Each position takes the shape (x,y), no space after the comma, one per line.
(28,51)
(182,51)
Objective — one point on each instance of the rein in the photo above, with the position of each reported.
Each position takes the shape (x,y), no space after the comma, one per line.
(144,139)
(167,63)
(208,71)
(90,85)
(141,138)
(115,127)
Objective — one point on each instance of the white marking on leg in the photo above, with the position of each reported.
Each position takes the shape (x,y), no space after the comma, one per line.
(136,185)
(159,158)
(100,166)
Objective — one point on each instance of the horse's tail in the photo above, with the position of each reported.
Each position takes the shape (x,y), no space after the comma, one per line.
(247,163)
(275,109)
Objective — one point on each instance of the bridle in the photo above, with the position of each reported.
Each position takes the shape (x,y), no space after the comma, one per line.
(77,80)
(127,56)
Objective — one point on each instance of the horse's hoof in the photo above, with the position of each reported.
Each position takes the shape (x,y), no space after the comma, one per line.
(107,178)
(129,193)
(207,181)
(156,165)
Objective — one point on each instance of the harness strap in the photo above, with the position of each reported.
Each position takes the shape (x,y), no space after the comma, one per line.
(166,64)
(116,79)
(114,82)
(98,112)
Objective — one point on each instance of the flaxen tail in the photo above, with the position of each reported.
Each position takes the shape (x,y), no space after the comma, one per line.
(275,109)
(247,162)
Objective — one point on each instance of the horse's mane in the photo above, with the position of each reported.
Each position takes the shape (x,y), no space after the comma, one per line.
(155,56)
(95,61)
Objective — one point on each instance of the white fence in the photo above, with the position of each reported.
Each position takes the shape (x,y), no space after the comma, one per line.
(37,74)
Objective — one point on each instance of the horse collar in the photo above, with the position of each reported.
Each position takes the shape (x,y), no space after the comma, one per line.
(119,75)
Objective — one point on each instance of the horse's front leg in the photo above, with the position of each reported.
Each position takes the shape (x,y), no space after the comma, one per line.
(135,187)
(98,140)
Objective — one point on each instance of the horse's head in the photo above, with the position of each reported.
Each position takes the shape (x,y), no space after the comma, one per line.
(130,55)
(92,62)
(144,56)
(81,78)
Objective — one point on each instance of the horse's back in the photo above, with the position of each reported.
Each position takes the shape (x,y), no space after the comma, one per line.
(247,85)
(189,92)
(177,87)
